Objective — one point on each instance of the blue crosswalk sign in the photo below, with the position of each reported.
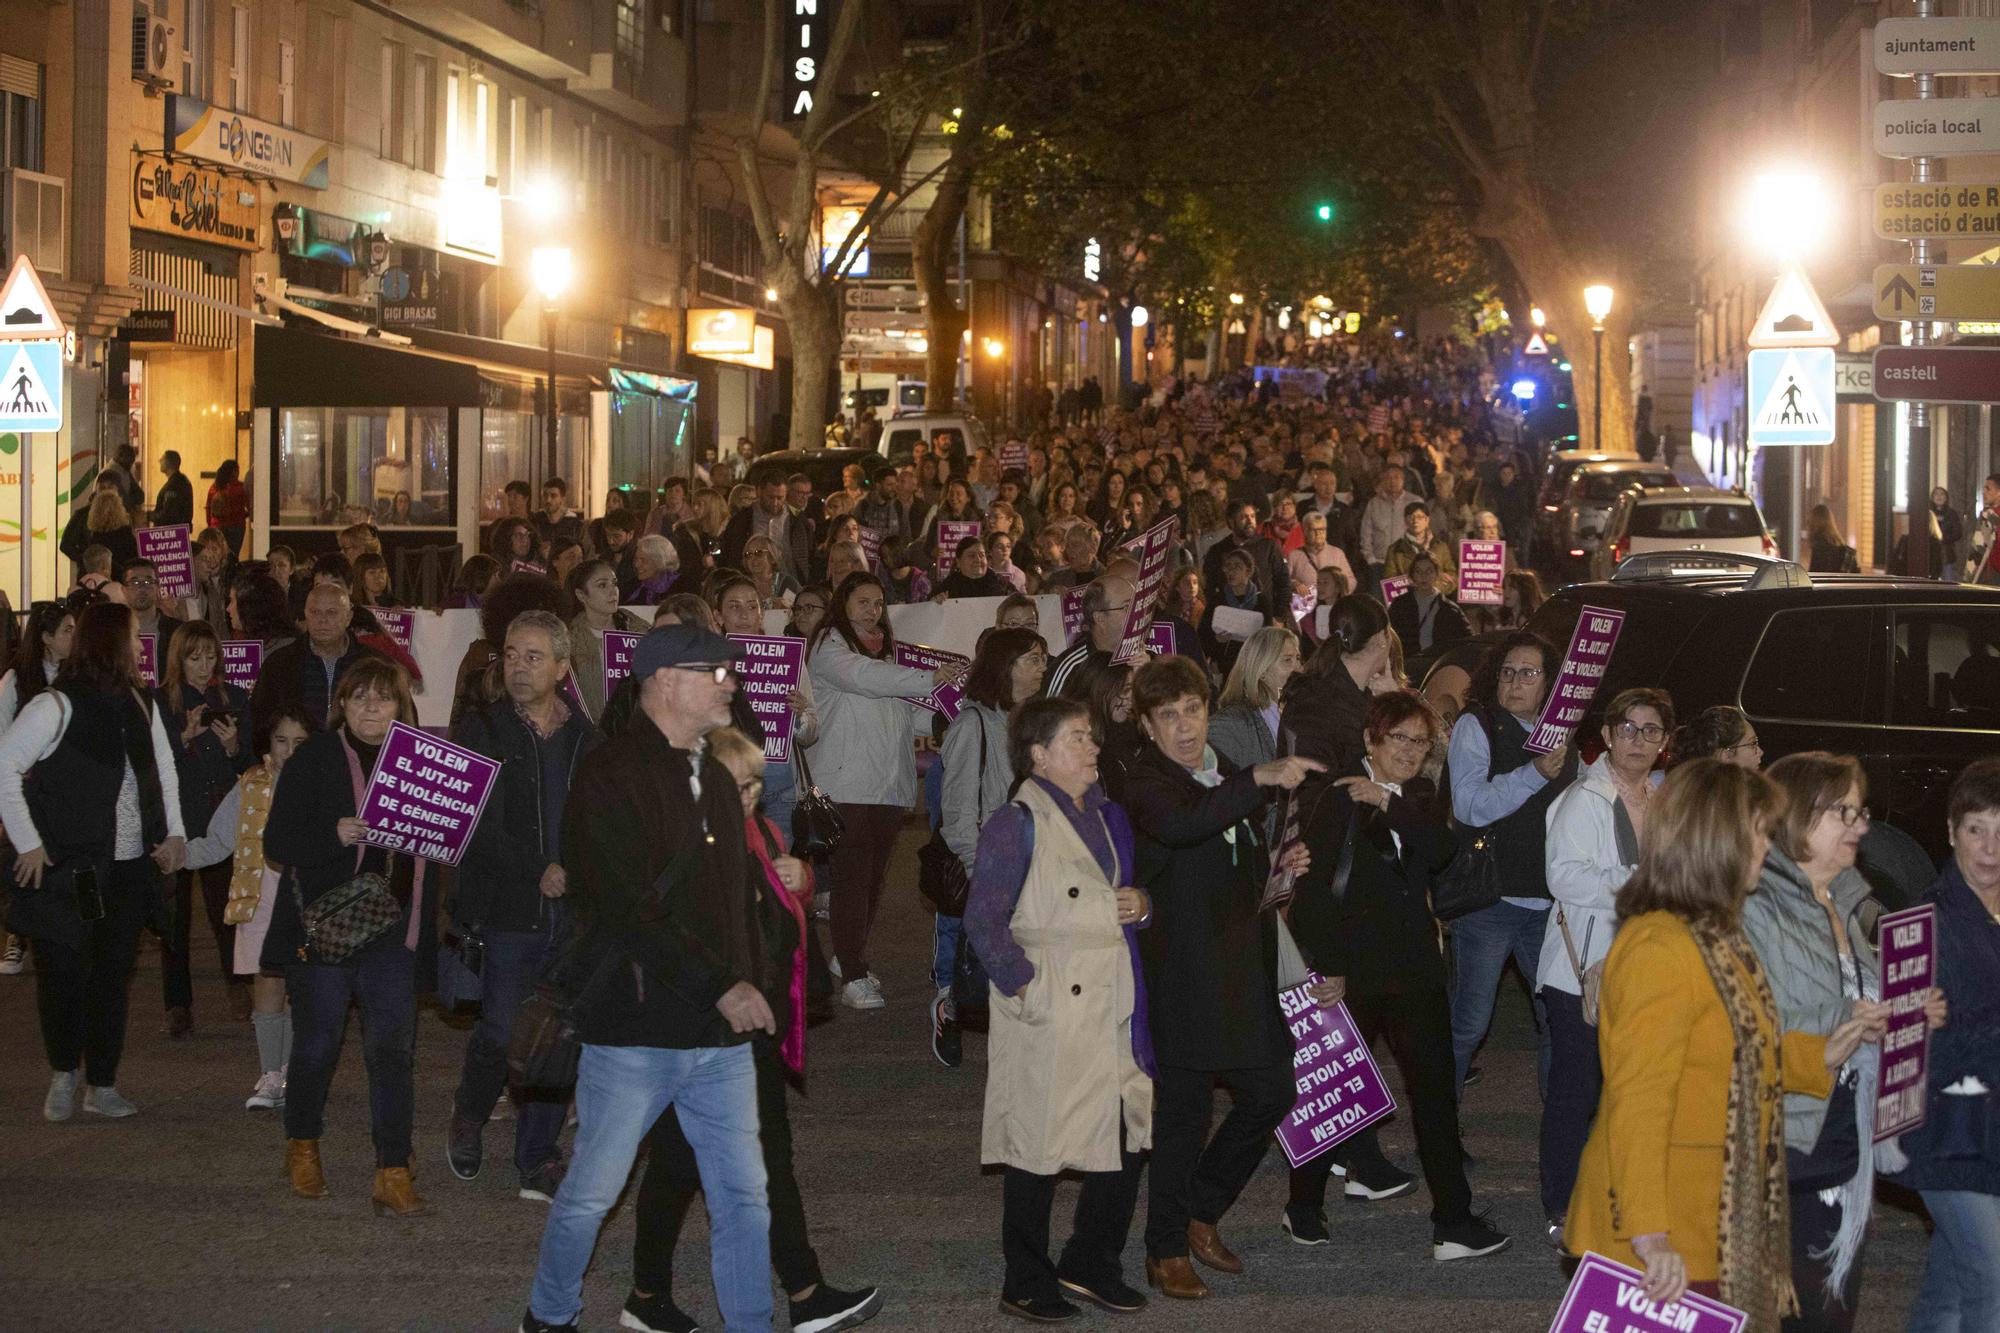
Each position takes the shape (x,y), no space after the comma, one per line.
(1791,396)
(31,385)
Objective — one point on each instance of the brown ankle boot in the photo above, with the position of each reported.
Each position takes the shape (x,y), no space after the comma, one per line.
(1175,1278)
(1206,1245)
(394,1195)
(302,1165)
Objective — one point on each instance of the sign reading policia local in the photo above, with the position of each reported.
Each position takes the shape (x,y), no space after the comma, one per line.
(186,199)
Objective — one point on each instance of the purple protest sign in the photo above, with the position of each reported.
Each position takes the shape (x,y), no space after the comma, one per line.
(1014,457)
(767,674)
(172,552)
(946,699)
(242,659)
(950,532)
(1154,550)
(1303,604)
(1394,586)
(1482,573)
(618,648)
(1607,1297)
(1161,639)
(149,661)
(398,625)
(871,546)
(1909,970)
(425,795)
(1341,1088)
(1576,684)
(1072,613)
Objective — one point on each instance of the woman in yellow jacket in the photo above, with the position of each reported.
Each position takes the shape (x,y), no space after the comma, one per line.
(1684,1172)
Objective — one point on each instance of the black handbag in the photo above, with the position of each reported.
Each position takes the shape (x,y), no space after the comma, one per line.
(941,876)
(816,823)
(1471,882)
(347,916)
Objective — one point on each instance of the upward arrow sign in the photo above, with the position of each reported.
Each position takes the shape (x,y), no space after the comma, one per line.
(1899,287)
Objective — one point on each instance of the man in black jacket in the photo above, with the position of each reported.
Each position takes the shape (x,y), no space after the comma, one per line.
(1267,562)
(789,530)
(303,672)
(175,502)
(676,959)
(511,886)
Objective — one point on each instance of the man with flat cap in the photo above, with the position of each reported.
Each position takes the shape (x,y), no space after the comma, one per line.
(661,882)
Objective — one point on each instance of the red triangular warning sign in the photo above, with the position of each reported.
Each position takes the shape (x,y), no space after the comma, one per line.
(1535,345)
(26,313)
(1793,316)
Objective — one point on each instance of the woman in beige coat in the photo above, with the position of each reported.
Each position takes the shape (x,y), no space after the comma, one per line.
(1069,1059)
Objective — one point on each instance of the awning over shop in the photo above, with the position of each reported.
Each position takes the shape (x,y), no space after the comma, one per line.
(295,367)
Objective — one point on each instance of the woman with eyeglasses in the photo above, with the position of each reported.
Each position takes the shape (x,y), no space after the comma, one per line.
(1812,922)
(1502,789)
(1592,849)
(1361,916)
(1721,732)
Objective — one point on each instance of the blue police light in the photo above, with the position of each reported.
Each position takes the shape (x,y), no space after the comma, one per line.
(1524,390)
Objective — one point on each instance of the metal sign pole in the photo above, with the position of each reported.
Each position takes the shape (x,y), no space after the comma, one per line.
(1918,475)
(27,522)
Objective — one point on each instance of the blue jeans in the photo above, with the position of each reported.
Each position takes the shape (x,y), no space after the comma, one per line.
(1961,1291)
(1481,944)
(381,978)
(781,797)
(513,961)
(620,1092)
(954,964)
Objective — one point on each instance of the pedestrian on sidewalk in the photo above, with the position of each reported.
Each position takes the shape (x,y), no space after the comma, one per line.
(510,893)
(91,803)
(235,835)
(315,833)
(673,1176)
(46,640)
(678,962)
(1069,1071)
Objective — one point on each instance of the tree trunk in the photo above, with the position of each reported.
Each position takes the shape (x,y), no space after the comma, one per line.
(815,363)
(933,249)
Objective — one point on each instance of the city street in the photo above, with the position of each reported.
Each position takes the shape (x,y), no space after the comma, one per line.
(180,1218)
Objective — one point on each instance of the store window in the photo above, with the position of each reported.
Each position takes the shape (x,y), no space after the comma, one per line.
(339,465)
(510,449)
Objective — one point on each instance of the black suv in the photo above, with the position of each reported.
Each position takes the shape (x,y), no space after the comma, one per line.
(824,466)
(1904,674)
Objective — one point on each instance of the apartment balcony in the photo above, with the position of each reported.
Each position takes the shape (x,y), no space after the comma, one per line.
(634,69)
(551,39)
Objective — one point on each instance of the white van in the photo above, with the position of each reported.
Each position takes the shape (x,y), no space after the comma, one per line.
(960,435)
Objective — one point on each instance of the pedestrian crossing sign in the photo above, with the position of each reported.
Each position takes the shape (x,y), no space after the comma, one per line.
(1791,396)
(31,386)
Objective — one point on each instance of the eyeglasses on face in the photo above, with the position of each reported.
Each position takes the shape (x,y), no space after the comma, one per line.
(1751,744)
(1406,741)
(1651,732)
(719,673)
(1849,814)
(1508,673)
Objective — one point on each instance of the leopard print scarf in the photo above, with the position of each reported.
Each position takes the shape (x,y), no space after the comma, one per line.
(1754,1232)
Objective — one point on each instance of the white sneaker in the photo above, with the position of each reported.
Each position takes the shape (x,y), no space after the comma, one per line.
(109,1103)
(14,959)
(503,1108)
(863,993)
(61,1101)
(833,966)
(269,1094)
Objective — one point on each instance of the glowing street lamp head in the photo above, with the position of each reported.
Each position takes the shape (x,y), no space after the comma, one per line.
(1536,317)
(1597,300)
(1139,317)
(1786,214)
(995,349)
(553,267)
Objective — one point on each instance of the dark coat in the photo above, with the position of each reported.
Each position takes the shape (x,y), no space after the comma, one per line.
(801,534)
(315,791)
(1448,624)
(175,502)
(631,817)
(206,771)
(1958,1145)
(1379,934)
(294,676)
(499,882)
(1210,954)
(1267,572)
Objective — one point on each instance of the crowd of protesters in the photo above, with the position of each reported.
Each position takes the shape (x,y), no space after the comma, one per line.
(1698,942)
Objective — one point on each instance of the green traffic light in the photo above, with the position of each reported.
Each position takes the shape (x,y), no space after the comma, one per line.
(1325,212)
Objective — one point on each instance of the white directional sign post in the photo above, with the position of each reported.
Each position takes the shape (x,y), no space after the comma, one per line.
(31,384)
(1938,127)
(1909,47)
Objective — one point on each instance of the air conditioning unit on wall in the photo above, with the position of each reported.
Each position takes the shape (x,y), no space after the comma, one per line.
(155,53)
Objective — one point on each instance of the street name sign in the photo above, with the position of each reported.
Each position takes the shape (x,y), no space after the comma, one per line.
(1905,212)
(1911,46)
(1937,291)
(1968,375)
(1938,127)
(1791,396)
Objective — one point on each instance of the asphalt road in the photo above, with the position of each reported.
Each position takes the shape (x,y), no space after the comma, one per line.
(181,1218)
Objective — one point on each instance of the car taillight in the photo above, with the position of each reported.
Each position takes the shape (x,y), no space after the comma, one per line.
(1770,547)
(1576,553)
(1618,551)
(1552,508)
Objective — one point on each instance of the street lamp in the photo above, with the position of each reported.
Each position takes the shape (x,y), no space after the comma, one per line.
(553,267)
(1597,300)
